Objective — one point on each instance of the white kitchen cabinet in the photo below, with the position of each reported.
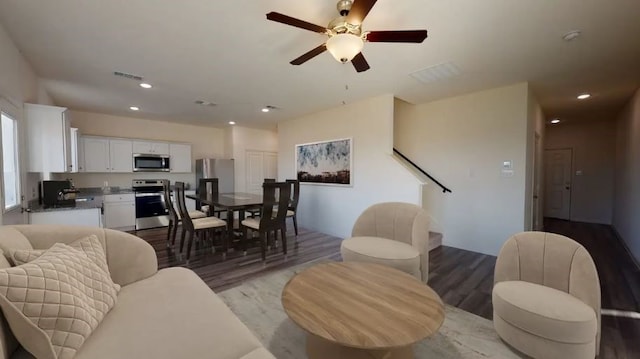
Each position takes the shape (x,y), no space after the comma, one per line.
(180,158)
(103,154)
(96,154)
(119,211)
(48,134)
(77,151)
(72,217)
(149,147)
(121,156)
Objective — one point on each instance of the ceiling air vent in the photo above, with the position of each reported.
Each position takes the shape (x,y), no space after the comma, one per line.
(204,103)
(127,76)
(436,73)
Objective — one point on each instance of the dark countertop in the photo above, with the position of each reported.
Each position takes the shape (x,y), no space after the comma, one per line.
(35,207)
(97,191)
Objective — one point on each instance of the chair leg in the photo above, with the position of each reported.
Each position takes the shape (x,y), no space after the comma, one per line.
(263,245)
(174,233)
(283,234)
(194,236)
(245,239)
(295,224)
(169,231)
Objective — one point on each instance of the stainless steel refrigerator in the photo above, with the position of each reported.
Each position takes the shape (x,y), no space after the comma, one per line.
(223,170)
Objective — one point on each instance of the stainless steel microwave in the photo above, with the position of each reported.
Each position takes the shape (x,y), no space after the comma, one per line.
(144,162)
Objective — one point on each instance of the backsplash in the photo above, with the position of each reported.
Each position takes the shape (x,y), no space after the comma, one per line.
(123,180)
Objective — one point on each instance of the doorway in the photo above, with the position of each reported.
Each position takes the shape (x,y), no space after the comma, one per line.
(260,165)
(558,168)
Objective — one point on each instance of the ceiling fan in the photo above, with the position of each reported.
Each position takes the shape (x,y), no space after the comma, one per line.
(346,38)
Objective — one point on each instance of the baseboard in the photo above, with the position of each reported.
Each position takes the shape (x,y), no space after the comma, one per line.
(626,248)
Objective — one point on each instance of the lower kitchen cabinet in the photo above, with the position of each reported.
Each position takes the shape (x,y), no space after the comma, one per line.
(73,217)
(120,211)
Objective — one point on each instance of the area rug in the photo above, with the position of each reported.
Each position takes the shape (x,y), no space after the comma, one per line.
(257,304)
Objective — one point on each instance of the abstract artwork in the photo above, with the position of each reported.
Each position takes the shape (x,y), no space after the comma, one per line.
(327,162)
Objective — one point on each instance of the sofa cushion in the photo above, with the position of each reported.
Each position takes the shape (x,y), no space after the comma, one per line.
(545,312)
(172,314)
(384,251)
(54,303)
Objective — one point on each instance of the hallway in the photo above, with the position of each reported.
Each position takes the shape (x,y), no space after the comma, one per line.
(619,282)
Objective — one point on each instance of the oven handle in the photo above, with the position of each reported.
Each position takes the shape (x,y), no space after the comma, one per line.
(149,194)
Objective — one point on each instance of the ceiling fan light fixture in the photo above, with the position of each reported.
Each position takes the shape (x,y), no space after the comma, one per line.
(344,47)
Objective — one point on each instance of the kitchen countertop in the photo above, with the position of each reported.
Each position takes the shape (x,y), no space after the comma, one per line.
(35,207)
(97,191)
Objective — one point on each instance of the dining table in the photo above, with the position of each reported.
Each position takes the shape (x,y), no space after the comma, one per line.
(230,202)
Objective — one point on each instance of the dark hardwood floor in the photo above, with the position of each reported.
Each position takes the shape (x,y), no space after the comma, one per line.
(222,274)
(462,278)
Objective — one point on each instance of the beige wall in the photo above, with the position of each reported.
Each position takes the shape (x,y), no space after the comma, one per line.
(206,142)
(463,141)
(593,145)
(243,139)
(626,209)
(18,84)
(535,167)
(377,176)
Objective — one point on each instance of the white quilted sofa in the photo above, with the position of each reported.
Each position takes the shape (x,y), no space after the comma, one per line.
(168,313)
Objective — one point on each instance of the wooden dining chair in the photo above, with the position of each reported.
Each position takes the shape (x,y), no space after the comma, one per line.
(292,209)
(209,186)
(195,228)
(175,217)
(255,212)
(270,221)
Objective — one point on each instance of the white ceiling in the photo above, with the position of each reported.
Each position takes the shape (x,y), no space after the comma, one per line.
(228,53)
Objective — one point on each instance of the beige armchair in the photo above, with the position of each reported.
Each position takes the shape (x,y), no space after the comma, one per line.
(546,297)
(394,234)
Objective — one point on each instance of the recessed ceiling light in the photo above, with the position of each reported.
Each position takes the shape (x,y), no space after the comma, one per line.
(571,35)
(134,108)
(265,109)
(145,85)
(232,122)
(555,120)
(584,96)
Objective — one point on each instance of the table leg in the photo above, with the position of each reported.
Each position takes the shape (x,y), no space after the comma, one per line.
(229,237)
(319,348)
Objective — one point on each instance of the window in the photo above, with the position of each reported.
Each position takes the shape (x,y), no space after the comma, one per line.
(11,183)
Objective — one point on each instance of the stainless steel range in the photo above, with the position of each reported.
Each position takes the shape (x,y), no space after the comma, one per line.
(151,211)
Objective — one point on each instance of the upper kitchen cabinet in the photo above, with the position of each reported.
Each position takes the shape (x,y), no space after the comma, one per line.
(121,156)
(180,158)
(107,154)
(48,139)
(148,147)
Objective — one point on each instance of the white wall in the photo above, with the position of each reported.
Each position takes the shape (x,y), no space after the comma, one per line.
(245,139)
(377,176)
(626,209)
(593,145)
(463,141)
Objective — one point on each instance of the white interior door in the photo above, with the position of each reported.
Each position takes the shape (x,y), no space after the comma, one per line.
(255,171)
(557,200)
(537,163)
(13,164)
(270,165)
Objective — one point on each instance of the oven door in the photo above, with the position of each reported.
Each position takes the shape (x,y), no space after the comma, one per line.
(151,211)
(150,163)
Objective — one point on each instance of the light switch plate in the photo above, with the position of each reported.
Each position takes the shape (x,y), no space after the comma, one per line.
(507,165)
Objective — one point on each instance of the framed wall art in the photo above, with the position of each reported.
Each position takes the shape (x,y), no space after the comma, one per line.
(325,163)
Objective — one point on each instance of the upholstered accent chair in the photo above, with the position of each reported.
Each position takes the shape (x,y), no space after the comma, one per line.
(394,234)
(546,297)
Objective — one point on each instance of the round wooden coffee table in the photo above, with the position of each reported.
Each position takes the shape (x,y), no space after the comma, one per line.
(361,310)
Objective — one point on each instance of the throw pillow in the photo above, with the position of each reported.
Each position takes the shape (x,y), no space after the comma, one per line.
(90,245)
(53,303)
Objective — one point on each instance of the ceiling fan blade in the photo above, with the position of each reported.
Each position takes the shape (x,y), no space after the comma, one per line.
(360,63)
(359,11)
(309,55)
(288,20)
(416,36)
